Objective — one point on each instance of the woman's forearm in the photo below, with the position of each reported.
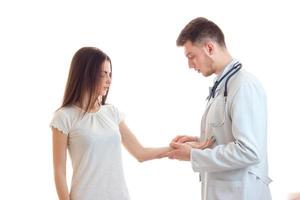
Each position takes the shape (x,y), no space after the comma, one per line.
(153,153)
(136,149)
(61,186)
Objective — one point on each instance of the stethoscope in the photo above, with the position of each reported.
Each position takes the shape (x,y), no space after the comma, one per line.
(236,67)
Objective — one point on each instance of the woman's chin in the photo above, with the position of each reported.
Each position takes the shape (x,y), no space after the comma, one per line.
(103,93)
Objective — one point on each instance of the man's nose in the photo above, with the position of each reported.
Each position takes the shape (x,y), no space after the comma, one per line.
(190,64)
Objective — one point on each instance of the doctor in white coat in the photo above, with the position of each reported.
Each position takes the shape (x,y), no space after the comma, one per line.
(236,166)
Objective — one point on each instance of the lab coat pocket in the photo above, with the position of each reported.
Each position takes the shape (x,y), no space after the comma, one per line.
(217,112)
(224,190)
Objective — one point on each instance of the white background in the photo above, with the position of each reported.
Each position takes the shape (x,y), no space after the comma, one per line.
(151,84)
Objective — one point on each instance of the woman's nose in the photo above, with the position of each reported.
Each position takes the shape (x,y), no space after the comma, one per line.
(108,80)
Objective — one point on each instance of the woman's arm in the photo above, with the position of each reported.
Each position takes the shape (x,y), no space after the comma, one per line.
(59,163)
(134,147)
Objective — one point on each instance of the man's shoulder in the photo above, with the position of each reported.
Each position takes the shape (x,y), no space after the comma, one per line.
(244,78)
(245,81)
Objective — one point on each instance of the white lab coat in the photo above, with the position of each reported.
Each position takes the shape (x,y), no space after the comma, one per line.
(236,167)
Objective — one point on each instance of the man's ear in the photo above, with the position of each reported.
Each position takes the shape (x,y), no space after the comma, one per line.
(209,48)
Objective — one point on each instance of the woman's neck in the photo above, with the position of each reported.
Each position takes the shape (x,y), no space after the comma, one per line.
(94,108)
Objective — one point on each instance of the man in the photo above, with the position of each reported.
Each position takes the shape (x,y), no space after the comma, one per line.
(235,167)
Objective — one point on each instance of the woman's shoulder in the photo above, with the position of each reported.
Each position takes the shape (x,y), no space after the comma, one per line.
(66,112)
(64,119)
(110,108)
(114,112)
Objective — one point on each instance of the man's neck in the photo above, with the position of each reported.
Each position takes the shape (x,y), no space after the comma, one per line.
(223,60)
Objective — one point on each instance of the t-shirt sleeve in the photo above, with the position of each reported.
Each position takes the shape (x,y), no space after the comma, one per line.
(119,116)
(61,122)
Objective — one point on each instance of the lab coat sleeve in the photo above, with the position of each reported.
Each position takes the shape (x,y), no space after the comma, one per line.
(248,115)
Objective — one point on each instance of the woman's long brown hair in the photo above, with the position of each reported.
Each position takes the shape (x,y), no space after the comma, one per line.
(84,77)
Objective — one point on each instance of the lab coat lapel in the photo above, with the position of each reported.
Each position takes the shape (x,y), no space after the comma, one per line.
(204,121)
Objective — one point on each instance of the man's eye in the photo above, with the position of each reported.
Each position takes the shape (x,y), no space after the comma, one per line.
(190,56)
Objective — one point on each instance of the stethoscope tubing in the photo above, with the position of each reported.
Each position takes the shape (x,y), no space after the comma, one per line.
(236,67)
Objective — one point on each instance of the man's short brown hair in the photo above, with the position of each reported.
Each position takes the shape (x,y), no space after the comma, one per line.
(200,29)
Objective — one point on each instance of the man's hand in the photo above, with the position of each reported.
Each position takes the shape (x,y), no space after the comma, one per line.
(202,145)
(184,138)
(181,151)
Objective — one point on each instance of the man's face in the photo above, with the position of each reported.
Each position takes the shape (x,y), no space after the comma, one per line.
(198,58)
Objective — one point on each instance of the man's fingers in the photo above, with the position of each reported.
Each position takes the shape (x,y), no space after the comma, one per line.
(186,138)
(212,140)
(175,145)
(206,143)
(177,138)
(171,154)
(202,145)
(182,139)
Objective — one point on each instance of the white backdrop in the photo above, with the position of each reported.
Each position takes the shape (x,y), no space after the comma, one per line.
(151,83)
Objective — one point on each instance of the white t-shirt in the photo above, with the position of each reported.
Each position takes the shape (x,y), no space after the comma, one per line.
(94,145)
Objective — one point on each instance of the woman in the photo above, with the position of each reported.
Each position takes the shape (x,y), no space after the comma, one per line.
(92,131)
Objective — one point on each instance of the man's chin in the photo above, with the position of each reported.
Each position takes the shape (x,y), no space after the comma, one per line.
(207,74)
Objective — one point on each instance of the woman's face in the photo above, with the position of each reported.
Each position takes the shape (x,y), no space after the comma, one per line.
(105,78)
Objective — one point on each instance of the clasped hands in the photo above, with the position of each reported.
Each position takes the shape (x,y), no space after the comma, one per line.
(181,145)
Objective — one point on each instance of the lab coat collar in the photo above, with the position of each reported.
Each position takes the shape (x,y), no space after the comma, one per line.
(224,71)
